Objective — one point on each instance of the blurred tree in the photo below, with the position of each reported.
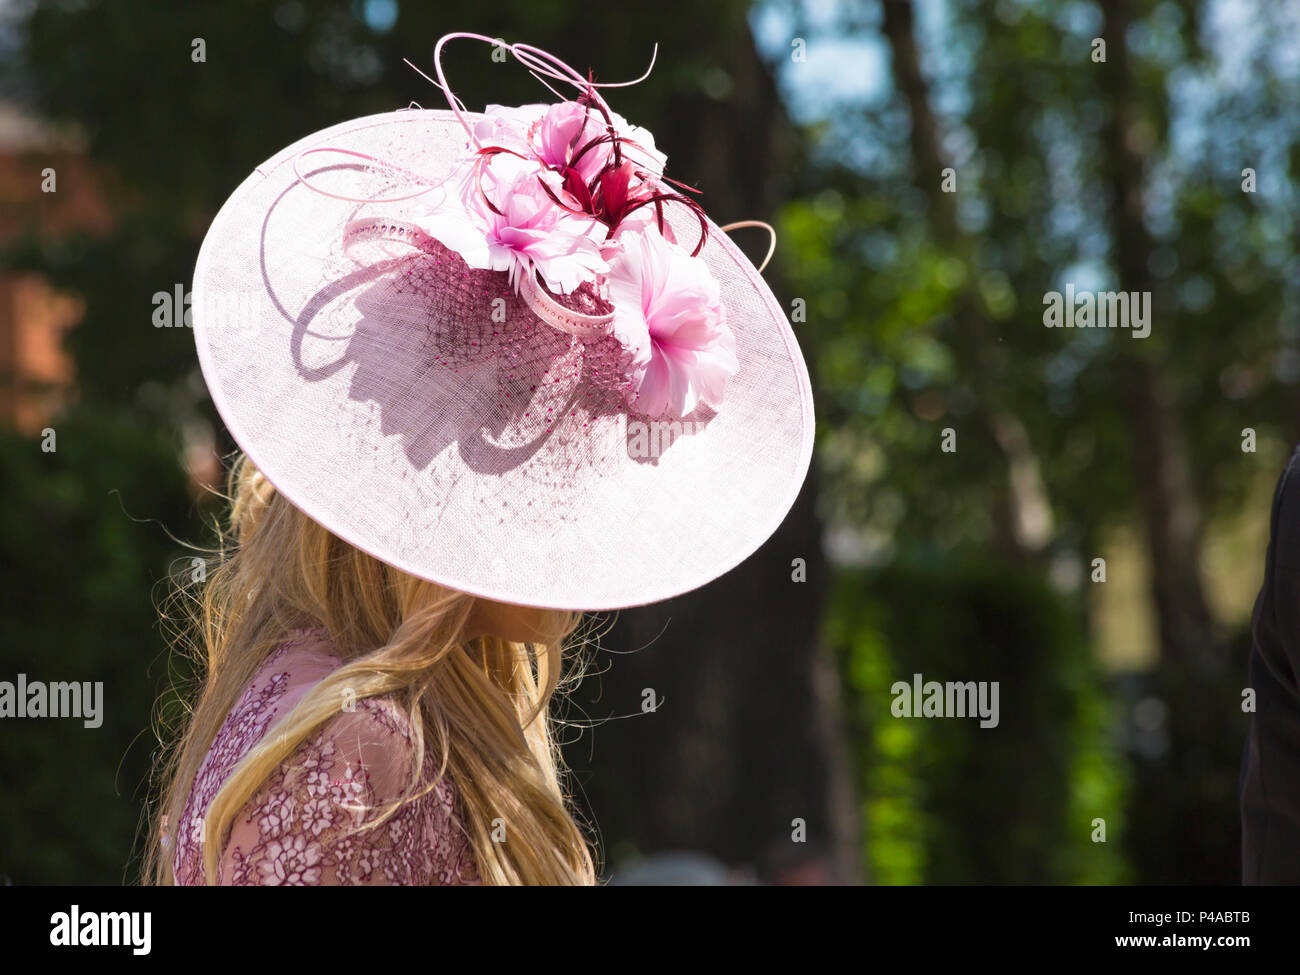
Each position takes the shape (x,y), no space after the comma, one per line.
(950,800)
(1120,168)
(81,559)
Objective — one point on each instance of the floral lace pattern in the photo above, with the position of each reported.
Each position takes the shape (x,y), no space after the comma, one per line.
(304,825)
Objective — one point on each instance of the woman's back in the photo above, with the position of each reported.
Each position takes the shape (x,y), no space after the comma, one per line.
(300,828)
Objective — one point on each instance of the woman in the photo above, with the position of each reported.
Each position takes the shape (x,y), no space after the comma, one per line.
(375,668)
(499,371)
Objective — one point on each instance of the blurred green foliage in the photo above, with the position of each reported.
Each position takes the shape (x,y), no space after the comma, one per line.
(946,800)
(925,314)
(83,557)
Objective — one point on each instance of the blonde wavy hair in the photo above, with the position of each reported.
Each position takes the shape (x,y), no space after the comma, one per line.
(480,703)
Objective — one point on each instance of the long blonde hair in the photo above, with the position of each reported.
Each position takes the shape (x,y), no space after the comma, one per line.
(481,704)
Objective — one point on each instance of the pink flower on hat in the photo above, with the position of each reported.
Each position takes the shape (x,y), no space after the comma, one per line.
(573,135)
(668,313)
(568,134)
(574,193)
(563,139)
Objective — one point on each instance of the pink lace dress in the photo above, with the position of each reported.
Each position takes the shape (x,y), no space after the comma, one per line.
(300,827)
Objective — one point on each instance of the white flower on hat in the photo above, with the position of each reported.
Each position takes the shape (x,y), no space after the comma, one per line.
(505,218)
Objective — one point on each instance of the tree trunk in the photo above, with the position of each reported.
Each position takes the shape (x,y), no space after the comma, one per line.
(1161,466)
(1022,516)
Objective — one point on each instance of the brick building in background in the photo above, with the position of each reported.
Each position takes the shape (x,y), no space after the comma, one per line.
(36,374)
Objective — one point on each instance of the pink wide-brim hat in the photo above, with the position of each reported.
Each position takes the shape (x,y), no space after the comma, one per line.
(418,408)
